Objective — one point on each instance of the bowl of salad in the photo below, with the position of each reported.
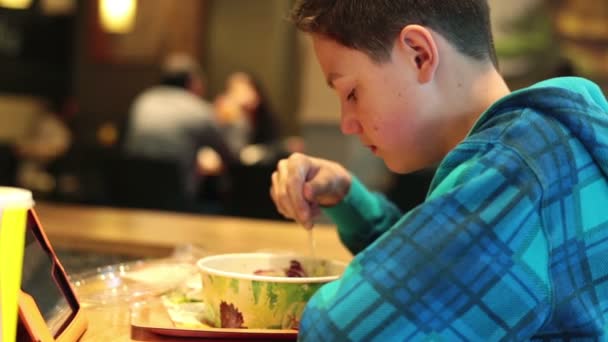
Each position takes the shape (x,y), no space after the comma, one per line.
(261,290)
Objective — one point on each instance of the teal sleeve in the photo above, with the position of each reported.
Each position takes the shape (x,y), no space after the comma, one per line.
(469,264)
(362,216)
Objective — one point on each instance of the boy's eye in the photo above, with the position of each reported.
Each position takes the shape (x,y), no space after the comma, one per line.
(352,96)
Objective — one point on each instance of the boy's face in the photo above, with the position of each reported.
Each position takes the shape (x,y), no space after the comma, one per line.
(385,104)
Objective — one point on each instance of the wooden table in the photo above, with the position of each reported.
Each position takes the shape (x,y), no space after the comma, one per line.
(156,234)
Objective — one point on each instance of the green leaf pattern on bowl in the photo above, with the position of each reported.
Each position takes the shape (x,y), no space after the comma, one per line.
(268,305)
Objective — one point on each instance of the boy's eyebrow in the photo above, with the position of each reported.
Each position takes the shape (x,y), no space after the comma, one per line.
(331,77)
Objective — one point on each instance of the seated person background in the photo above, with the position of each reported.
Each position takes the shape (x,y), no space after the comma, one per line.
(253,128)
(249,121)
(47,138)
(172,121)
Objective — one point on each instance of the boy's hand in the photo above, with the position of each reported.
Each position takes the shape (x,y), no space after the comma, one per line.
(301,184)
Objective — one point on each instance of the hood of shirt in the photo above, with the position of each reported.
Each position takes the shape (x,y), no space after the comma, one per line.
(576,103)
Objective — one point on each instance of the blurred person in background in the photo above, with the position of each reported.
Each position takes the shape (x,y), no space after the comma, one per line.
(47,138)
(249,121)
(172,121)
(254,129)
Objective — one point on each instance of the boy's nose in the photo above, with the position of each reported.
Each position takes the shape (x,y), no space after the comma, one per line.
(350,125)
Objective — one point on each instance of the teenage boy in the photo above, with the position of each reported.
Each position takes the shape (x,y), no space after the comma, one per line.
(511,242)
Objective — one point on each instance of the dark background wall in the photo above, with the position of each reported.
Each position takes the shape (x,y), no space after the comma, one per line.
(226,35)
(35,52)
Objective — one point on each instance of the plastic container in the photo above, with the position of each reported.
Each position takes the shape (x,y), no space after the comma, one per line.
(14,204)
(130,282)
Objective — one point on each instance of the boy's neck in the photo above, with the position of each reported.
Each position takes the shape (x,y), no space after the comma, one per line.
(471,91)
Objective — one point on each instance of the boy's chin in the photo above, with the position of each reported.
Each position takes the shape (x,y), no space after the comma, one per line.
(401,167)
(396,168)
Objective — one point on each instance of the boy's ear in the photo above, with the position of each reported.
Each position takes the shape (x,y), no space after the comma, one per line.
(421,50)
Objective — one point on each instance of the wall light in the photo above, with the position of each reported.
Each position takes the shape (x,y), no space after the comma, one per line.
(117,16)
(16,4)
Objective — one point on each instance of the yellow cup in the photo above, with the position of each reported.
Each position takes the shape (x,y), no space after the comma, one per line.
(14,204)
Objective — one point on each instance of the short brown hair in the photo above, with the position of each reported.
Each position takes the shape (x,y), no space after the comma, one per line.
(372,25)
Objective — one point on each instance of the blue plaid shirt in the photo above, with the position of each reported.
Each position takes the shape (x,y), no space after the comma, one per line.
(510,244)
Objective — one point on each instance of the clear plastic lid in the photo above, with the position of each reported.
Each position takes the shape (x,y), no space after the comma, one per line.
(130,282)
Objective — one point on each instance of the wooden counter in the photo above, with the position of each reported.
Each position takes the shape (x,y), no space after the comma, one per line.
(155,234)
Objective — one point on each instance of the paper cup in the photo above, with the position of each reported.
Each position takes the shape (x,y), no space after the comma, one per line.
(14,204)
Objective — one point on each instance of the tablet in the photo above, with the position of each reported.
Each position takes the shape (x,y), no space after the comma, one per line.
(48,307)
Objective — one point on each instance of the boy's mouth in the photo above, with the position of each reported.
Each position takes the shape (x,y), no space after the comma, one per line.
(373,148)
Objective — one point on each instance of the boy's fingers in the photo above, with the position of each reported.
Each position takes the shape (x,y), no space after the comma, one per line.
(298,205)
(280,197)
(289,186)
(315,191)
(275,196)
(315,210)
(309,192)
(286,192)
(297,170)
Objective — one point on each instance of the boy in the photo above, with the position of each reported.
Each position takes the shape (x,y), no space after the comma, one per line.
(510,243)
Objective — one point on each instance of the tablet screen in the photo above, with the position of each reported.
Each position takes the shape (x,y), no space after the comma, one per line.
(43,280)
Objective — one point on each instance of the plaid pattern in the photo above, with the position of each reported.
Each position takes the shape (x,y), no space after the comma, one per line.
(511,243)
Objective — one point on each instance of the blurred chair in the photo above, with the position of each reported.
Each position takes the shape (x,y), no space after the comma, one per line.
(249,194)
(145,183)
(79,175)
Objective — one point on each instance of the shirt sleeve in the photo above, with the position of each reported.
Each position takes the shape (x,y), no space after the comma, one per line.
(469,264)
(362,216)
